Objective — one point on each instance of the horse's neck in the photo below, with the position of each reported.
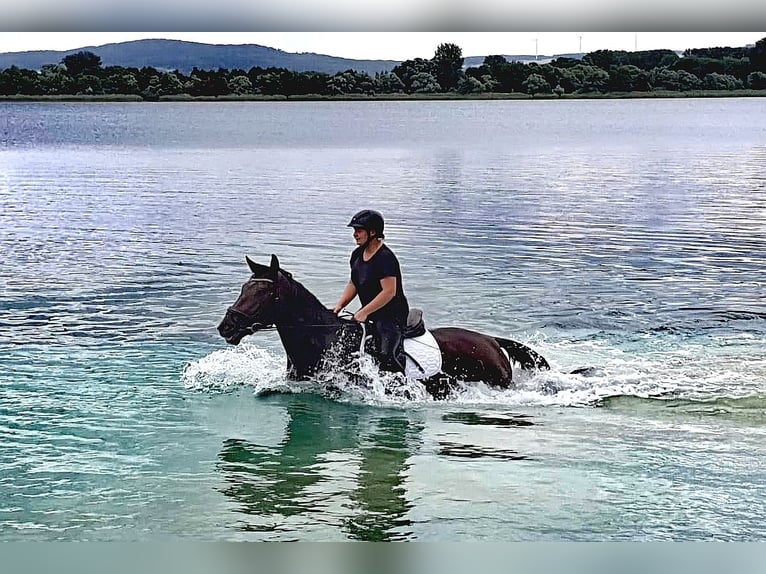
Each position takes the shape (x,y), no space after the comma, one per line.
(306,327)
(301,307)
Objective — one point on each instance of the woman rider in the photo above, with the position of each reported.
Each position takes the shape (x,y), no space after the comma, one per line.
(377,280)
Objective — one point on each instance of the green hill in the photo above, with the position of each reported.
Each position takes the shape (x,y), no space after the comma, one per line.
(183,56)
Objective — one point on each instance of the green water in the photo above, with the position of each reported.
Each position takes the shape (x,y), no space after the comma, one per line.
(623,235)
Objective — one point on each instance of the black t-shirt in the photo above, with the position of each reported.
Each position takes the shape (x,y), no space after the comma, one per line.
(366,276)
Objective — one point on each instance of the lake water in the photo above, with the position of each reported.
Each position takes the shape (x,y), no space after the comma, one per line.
(627,235)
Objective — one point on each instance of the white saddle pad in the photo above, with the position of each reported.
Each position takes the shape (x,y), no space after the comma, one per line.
(425,350)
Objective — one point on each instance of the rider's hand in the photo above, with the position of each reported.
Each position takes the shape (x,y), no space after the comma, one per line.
(361,316)
(337,309)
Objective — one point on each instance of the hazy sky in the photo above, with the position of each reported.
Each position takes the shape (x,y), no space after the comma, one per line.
(399,45)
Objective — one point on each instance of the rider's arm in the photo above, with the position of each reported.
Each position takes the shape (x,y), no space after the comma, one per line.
(346,297)
(388,286)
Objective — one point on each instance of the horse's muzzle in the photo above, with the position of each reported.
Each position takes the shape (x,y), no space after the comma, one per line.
(230,330)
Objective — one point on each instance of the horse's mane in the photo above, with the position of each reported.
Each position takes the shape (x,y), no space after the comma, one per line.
(313,308)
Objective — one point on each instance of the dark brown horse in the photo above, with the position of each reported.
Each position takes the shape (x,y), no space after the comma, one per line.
(310,333)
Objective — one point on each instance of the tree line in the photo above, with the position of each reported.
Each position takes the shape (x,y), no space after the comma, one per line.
(602,71)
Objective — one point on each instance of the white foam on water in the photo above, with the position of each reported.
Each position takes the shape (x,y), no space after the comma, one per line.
(364,382)
(233,367)
(691,369)
(701,367)
(250,366)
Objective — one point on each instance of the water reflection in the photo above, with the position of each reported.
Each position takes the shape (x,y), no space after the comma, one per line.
(338,466)
(380,496)
(473,451)
(498,419)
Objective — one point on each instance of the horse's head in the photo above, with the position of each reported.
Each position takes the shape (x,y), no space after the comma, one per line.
(254,309)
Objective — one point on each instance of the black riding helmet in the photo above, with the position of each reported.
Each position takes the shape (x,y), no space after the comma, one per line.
(369,220)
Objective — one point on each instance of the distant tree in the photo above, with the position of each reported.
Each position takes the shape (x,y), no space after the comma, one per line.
(240,85)
(605,59)
(688,82)
(664,79)
(489,83)
(470,85)
(289,82)
(551,74)
(650,59)
(312,81)
(721,82)
(628,79)
(558,90)
(351,82)
(409,69)
(87,84)
(476,72)
(495,64)
(594,79)
(511,77)
(340,84)
(146,76)
(757,56)
(571,79)
(537,84)
(737,67)
(121,83)
(499,70)
(203,82)
(717,53)
(388,83)
(701,66)
(674,80)
(425,83)
(153,89)
(563,62)
(15,80)
(646,60)
(756,81)
(363,82)
(698,65)
(270,83)
(82,62)
(53,79)
(448,64)
(171,84)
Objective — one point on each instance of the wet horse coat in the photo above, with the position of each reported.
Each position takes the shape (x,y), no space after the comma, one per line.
(311,334)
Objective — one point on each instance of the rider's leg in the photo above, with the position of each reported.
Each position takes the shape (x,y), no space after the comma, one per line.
(389,345)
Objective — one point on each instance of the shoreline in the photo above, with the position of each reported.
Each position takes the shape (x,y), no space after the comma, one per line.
(389,97)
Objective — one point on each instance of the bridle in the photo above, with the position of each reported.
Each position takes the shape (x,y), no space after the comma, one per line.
(251,323)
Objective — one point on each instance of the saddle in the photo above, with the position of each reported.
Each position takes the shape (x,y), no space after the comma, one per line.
(415,326)
(422,356)
(419,350)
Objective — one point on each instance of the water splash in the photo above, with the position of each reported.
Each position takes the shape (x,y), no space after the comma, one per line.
(688,368)
(362,381)
(250,366)
(227,369)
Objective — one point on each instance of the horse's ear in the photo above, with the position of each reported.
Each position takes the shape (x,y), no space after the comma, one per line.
(274,265)
(256,268)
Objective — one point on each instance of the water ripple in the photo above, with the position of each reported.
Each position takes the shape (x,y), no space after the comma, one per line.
(626,237)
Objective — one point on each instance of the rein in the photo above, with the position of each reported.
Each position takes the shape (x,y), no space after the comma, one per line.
(250,323)
(246,322)
(258,326)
